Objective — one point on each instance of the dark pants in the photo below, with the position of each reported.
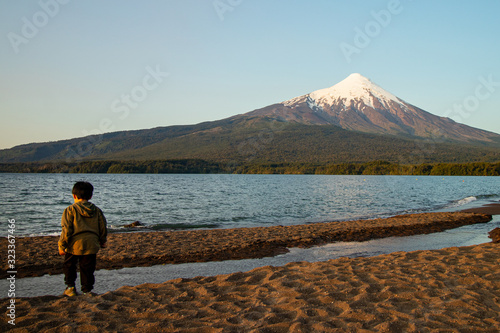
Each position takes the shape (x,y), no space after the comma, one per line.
(87,269)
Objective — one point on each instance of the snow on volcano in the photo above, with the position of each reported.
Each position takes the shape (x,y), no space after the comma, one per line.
(350,92)
(356,103)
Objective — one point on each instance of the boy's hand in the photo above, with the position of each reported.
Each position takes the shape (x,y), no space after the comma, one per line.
(61,252)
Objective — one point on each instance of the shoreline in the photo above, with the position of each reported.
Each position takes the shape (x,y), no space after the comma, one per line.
(173,247)
(110,280)
(492,208)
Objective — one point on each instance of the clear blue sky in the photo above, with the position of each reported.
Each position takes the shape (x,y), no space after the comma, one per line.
(71,67)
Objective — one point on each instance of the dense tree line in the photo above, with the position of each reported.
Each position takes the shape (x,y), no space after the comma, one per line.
(378,168)
(202,166)
(169,166)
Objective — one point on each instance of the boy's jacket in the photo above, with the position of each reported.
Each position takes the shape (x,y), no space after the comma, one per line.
(83,229)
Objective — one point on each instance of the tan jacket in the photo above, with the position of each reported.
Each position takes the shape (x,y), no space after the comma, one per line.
(83,229)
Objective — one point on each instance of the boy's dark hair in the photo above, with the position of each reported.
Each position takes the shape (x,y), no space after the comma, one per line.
(83,190)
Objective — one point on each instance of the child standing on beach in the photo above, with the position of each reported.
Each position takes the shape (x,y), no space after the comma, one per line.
(83,233)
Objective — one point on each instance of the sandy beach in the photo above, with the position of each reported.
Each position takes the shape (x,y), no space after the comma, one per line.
(449,290)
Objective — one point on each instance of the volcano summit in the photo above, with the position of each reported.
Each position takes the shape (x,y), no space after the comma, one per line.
(358,104)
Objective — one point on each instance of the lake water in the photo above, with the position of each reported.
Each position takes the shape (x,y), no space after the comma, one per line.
(176,201)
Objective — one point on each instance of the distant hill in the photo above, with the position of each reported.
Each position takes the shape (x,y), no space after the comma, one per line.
(353,121)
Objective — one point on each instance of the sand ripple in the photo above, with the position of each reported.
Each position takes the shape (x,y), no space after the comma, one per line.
(448,290)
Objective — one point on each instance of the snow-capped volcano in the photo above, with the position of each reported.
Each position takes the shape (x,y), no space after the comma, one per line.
(356,103)
(355,88)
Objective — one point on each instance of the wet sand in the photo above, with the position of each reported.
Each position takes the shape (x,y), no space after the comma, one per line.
(38,255)
(489,209)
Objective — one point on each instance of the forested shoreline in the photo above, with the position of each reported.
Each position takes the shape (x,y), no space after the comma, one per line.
(206,167)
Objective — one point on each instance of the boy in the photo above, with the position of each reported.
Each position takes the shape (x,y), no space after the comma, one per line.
(83,234)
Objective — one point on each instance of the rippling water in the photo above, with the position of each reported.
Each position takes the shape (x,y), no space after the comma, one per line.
(173,201)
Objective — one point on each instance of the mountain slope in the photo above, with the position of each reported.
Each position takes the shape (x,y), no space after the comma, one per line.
(268,141)
(254,140)
(358,104)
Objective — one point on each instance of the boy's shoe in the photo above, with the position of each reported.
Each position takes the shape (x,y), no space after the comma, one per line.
(89,294)
(70,291)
